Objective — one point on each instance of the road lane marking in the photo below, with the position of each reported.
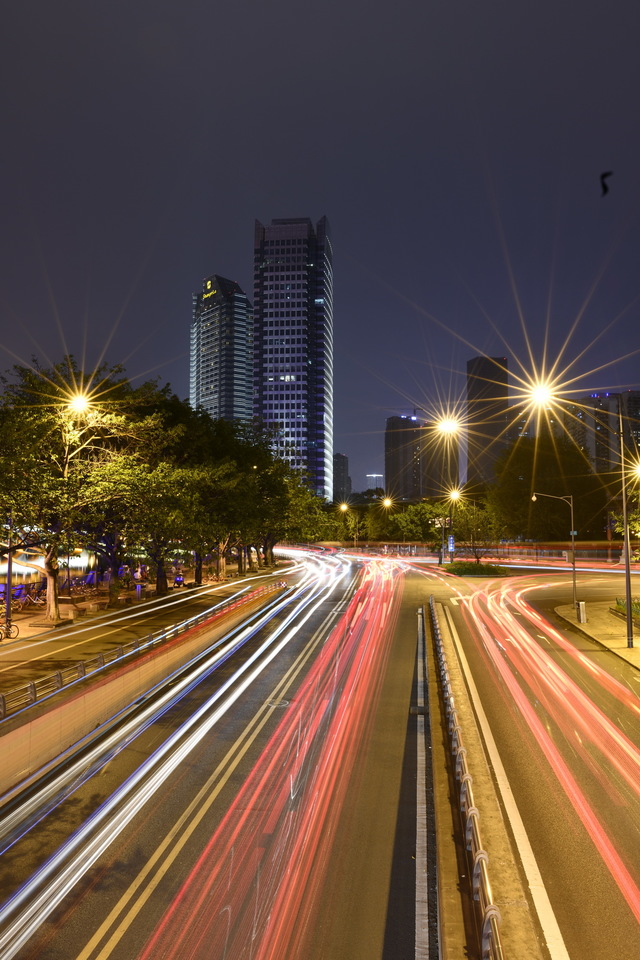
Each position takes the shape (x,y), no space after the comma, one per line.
(546,915)
(141,888)
(422,893)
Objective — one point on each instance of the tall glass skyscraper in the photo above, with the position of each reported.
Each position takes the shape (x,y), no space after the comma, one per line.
(293,344)
(221,352)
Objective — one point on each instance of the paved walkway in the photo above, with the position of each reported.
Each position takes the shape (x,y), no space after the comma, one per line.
(606,628)
(31,622)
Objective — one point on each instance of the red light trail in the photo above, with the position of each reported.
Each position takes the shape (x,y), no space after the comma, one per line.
(525,665)
(248,893)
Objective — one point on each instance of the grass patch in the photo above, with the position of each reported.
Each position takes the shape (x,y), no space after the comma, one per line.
(469,568)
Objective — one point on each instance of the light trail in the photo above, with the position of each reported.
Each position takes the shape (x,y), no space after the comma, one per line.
(522,665)
(14,824)
(22,915)
(249,894)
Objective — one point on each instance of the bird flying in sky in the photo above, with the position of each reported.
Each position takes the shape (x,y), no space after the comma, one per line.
(603,181)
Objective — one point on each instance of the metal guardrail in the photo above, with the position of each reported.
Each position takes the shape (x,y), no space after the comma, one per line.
(490,918)
(37,690)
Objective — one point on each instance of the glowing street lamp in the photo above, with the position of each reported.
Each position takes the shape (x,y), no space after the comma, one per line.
(448,426)
(344,507)
(79,403)
(568,499)
(541,394)
(626,546)
(452,496)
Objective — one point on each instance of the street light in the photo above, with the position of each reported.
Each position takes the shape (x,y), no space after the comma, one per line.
(454,496)
(344,507)
(568,499)
(9,586)
(625,525)
(79,403)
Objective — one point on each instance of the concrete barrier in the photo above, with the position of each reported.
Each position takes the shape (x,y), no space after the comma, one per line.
(46,734)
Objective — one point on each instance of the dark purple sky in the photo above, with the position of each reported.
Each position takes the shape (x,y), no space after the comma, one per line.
(455,147)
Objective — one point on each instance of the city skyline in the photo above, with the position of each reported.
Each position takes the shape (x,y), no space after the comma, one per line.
(461,180)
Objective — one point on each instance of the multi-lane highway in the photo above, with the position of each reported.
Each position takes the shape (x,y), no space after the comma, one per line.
(202,826)
(565,718)
(256,806)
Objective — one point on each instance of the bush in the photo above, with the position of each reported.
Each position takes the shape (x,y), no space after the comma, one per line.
(469,568)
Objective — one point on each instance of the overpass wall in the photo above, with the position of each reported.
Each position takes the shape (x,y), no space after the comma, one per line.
(44,735)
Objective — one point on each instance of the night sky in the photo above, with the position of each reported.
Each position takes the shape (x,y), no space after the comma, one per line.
(456,148)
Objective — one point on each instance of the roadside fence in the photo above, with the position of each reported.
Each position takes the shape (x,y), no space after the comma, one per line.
(478,858)
(37,690)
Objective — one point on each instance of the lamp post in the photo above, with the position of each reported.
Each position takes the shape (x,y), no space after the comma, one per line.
(344,507)
(568,499)
(454,496)
(8,588)
(448,428)
(625,525)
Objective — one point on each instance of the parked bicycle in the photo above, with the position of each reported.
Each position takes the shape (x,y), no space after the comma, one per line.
(10,630)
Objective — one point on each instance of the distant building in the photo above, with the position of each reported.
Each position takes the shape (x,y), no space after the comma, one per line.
(404,445)
(221,350)
(293,344)
(375,481)
(341,478)
(440,462)
(593,422)
(487,416)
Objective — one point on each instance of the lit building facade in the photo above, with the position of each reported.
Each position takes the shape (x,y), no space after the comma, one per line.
(293,344)
(221,351)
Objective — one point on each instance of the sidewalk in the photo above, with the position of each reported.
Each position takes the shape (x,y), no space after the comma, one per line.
(606,628)
(32,623)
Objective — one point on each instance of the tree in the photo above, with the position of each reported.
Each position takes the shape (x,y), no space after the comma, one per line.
(418,521)
(60,447)
(475,529)
(554,466)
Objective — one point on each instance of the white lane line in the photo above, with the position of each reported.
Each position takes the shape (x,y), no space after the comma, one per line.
(546,916)
(422,893)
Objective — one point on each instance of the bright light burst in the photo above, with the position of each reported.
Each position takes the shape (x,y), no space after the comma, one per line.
(448,426)
(79,403)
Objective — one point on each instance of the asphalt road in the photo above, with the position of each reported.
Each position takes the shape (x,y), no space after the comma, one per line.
(273,818)
(265,828)
(566,719)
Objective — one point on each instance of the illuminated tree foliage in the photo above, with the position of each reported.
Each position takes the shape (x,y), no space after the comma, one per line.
(90,462)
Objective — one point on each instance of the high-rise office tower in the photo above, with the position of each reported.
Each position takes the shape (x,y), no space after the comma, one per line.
(487,416)
(293,344)
(404,462)
(221,352)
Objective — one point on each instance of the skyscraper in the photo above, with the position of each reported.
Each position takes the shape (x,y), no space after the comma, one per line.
(221,351)
(404,463)
(487,416)
(293,344)
(341,478)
